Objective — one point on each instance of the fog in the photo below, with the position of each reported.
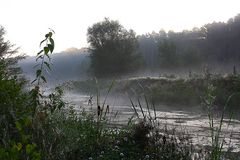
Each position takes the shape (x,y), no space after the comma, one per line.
(76,66)
(170,72)
(129,88)
(71,64)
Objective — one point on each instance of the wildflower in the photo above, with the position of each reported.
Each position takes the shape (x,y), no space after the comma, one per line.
(116,147)
(90,158)
(147,156)
(121,154)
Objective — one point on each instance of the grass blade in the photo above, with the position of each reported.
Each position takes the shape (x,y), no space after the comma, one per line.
(134,108)
(139,103)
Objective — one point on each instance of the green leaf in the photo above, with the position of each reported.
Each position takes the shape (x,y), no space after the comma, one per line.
(27,121)
(18,126)
(29,148)
(50,47)
(38,72)
(25,138)
(47,35)
(48,65)
(61,105)
(46,50)
(33,81)
(19,146)
(36,156)
(50,34)
(39,52)
(51,41)
(44,79)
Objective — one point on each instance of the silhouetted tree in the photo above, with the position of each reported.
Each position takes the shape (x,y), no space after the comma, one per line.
(149,49)
(190,57)
(8,54)
(113,48)
(167,52)
(212,43)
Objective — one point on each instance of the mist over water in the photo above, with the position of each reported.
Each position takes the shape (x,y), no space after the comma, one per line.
(76,66)
(64,66)
(175,71)
(161,95)
(193,121)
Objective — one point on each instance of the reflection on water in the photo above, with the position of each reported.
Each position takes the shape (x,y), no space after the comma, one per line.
(194,124)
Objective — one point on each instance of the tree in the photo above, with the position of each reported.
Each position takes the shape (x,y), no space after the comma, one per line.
(190,57)
(167,52)
(8,54)
(113,48)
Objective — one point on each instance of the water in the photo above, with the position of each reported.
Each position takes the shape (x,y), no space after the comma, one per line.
(192,123)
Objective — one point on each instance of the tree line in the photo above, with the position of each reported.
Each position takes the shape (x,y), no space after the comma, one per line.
(116,50)
(216,42)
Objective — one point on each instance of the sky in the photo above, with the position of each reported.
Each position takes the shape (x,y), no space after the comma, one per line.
(27,21)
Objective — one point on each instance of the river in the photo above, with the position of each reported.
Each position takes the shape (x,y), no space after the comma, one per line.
(193,124)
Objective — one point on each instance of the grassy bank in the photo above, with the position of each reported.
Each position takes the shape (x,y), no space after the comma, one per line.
(169,91)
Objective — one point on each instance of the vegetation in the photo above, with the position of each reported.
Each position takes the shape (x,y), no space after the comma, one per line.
(37,126)
(16,119)
(168,55)
(170,91)
(8,54)
(216,42)
(113,48)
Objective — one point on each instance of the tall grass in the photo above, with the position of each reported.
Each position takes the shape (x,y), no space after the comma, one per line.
(217,142)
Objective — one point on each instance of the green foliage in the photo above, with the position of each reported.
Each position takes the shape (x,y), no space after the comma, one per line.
(212,43)
(113,48)
(184,91)
(171,56)
(23,114)
(190,57)
(16,120)
(8,53)
(40,126)
(82,141)
(215,129)
(42,54)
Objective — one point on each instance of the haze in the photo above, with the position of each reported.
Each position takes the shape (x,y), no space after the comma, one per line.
(27,20)
(120,79)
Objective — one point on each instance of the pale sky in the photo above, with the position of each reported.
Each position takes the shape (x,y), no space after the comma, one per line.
(26,21)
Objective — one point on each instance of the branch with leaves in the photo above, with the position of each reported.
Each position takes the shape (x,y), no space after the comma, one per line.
(42,54)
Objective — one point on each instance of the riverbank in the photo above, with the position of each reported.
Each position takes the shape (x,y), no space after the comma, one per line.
(170,91)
